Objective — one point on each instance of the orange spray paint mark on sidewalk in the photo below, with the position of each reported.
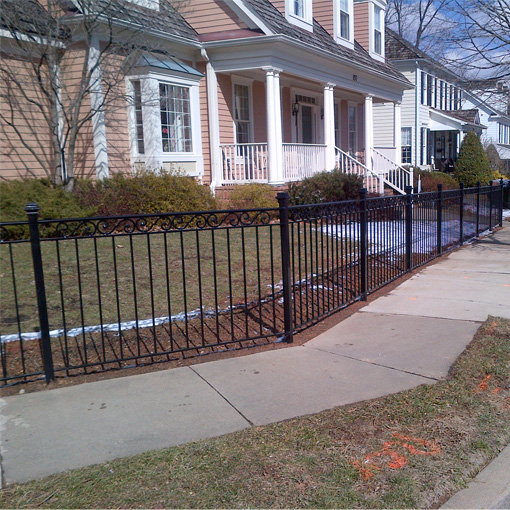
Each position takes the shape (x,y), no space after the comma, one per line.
(393,458)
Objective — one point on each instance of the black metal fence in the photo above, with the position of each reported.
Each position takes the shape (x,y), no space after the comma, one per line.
(92,294)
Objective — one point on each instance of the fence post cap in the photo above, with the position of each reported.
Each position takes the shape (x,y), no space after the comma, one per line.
(32,208)
(282,197)
(408,189)
(440,187)
(363,192)
(461,184)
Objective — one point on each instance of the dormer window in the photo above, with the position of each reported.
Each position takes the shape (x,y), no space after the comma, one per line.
(299,13)
(378,30)
(344,22)
(344,19)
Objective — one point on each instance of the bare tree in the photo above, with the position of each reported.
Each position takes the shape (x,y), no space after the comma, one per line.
(64,63)
(417,20)
(481,44)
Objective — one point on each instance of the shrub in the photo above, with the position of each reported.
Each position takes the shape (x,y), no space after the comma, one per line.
(430,180)
(473,164)
(497,164)
(144,193)
(326,187)
(253,196)
(54,202)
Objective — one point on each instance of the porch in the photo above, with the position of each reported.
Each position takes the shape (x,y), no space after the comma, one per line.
(274,128)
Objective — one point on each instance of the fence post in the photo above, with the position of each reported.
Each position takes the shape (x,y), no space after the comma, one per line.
(32,210)
(363,243)
(477,208)
(491,198)
(439,226)
(283,202)
(501,200)
(409,227)
(461,213)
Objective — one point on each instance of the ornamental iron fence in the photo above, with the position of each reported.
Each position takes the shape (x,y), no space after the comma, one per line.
(83,295)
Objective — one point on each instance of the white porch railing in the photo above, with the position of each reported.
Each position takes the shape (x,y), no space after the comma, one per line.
(303,160)
(392,174)
(349,165)
(244,162)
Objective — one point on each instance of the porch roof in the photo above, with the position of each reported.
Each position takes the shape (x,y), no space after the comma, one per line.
(452,120)
(320,38)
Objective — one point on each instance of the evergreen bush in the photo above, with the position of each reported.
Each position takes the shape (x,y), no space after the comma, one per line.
(473,163)
(326,187)
(497,165)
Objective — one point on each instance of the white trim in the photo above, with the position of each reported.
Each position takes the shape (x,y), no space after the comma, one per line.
(317,127)
(274,126)
(329,125)
(371,28)
(154,158)
(240,8)
(214,126)
(349,43)
(397,131)
(305,21)
(97,108)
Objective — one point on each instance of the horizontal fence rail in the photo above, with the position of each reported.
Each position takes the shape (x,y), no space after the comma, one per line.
(83,295)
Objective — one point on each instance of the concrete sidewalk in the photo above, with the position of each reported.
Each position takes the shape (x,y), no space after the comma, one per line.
(407,338)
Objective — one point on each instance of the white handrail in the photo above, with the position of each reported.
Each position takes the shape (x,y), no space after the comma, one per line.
(303,160)
(392,173)
(349,165)
(244,162)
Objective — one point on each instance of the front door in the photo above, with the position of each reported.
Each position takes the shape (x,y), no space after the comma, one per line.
(306,124)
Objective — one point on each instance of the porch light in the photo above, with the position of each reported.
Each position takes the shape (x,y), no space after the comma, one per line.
(295,108)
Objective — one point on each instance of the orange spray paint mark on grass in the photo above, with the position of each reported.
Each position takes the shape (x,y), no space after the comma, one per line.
(390,457)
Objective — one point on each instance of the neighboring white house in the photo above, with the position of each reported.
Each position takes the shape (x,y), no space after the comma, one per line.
(436,114)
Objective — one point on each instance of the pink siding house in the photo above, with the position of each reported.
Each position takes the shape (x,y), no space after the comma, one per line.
(250,91)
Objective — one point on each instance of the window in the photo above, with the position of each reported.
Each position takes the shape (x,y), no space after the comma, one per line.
(429,89)
(423,87)
(344,19)
(435,93)
(450,102)
(377,30)
(175,118)
(242,117)
(137,100)
(425,139)
(441,95)
(504,134)
(299,8)
(407,144)
(352,130)
(299,13)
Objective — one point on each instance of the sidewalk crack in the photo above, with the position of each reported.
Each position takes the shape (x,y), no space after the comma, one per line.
(375,364)
(223,397)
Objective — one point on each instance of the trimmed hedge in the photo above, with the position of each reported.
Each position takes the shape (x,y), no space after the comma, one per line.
(325,187)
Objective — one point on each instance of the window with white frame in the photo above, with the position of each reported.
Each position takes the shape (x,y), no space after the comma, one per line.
(165,122)
(242,113)
(504,134)
(344,19)
(175,118)
(407,145)
(299,12)
(378,23)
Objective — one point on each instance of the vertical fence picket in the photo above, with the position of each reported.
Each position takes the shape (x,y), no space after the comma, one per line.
(501,200)
(477,208)
(491,200)
(439,219)
(283,202)
(363,244)
(409,228)
(32,210)
(461,214)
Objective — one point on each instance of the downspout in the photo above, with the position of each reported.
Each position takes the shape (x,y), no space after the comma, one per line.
(214,122)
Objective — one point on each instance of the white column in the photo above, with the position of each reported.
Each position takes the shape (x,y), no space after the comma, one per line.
(274,126)
(214,126)
(151,123)
(329,125)
(397,131)
(96,105)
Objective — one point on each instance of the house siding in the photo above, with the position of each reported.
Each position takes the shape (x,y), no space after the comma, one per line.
(323,13)
(208,17)
(225,108)
(361,24)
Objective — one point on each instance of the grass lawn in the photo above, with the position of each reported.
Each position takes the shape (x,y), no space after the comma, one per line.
(412,449)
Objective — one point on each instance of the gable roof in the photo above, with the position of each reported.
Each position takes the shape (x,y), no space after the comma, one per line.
(319,38)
